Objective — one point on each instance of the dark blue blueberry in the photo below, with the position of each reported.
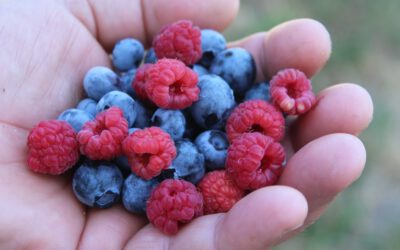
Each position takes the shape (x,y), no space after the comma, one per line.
(76,117)
(237,67)
(125,82)
(213,144)
(142,116)
(135,193)
(200,70)
(171,121)
(88,105)
(212,42)
(150,56)
(258,91)
(215,103)
(192,130)
(189,162)
(122,100)
(97,184)
(98,81)
(127,54)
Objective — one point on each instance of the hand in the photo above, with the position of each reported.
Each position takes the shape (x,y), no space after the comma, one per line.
(47,47)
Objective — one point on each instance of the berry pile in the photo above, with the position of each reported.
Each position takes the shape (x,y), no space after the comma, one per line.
(177,132)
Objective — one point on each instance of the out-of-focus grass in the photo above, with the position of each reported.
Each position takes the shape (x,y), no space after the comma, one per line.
(366,39)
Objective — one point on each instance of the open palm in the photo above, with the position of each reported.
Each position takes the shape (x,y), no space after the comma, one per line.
(45,49)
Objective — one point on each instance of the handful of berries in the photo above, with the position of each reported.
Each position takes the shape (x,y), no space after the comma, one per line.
(185,133)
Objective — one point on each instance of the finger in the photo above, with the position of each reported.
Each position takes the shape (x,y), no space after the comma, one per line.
(143,19)
(323,168)
(255,222)
(343,108)
(303,44)
(114,224)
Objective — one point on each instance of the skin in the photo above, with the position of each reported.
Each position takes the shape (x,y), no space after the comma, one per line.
(46,48)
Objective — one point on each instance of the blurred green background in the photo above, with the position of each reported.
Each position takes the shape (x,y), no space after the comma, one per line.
(366,50)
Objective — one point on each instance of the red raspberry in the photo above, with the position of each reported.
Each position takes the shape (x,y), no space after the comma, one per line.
(101,139)
(171,85)
(180,40)
(149,151)
(255,160)
(172,203)
(52,147)
(255,116)
(291,92)
(219,192)
(139,82)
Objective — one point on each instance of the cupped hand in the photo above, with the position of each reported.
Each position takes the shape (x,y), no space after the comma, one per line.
(45,49)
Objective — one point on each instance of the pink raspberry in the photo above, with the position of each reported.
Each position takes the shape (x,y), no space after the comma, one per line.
(149,151)
(180,40)
(254,161)
(139,82)
(291,92)
(172,203)
(171,85)
(101,139)
(52,147)
(255,116)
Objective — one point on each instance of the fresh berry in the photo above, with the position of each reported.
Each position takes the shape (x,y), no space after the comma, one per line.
(52,147)
(172,203)
(97,184)
(212,43)
(139,82)
(213,144)
(189,162)
(122,161)
(219,192)
(236,66)
(259,91)
(192,130)
(150,56)
(101,139)
(75,117)
(125,82)
(88,105)
(171,121)
(291,92)
(255,116)
(255,160)
(136,192)
(98,81)
(149,151)
(142,116)
(127,54)
(180,40)
(215,103)
(121,100)
(200,70)
(171,85)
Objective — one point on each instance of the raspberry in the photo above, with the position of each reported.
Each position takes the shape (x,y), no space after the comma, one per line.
(255,116)
(219,192)
(149,151)
(139,82)
(180,40)
(172,203)
(101,139)
(255,160)
(291,92)
(52,147)
(171,85)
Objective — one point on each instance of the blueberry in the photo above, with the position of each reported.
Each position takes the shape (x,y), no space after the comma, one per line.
(76,117)
(212,42)
(237,67)
(135,193)
(121,100)
(150,56)
(189,162)
(258,91)
(171,121)
(142,116)
(97,184)
(213,144)
(192,130)
(88,105)
(122,161)
(127,54)
(200,70)
(215,103)
(125,82)
(98,81)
